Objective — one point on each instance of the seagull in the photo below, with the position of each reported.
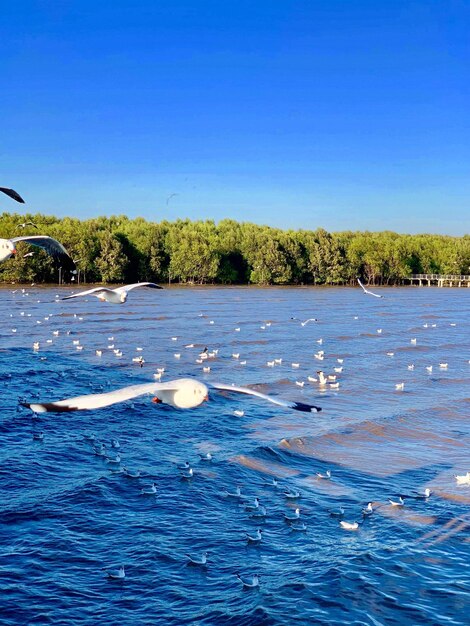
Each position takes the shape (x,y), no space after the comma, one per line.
(366,291)
(400,386)
(400,502)
(182,393)
(327,474)
(425,495)
(349,525)
(294,517)
(464,479)
(12,194)
(24,224)
(236,494)
(119,573)
(250,583)
(50,245)
(252,507)
(38,436)
(194,560)
(272,483)
(172,195)
(150,491)
(256,538)
(205,457)
(338,513)
(115,296)
(368,510)
(311,319)
(292,495)
(187,475)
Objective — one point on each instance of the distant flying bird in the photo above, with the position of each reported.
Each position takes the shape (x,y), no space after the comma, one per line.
(24,224)
(115,296)
(51,246)
(12,193)
(172,195)
(182,393)
(369,293)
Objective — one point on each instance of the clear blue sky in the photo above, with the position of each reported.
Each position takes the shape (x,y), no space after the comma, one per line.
(345,114)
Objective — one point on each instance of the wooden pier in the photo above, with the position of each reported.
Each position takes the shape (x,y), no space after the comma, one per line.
(441,280)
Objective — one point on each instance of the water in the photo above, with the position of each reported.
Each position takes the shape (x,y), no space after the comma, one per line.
(64,515)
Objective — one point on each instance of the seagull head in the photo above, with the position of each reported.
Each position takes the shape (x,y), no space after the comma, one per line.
(11,248)
(123,297)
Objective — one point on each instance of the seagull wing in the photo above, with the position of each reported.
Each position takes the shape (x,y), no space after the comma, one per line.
(12,193)
(100,400)
(362,286)
(370,293)
(52,246)
(297,406)
(95,291)
(126,288)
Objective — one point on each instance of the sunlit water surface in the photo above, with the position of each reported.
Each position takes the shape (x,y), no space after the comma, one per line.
(64,515)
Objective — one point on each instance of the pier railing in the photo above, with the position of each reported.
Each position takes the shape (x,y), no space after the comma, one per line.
(441,280)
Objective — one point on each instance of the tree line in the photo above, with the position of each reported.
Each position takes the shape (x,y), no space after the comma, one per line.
(118,249)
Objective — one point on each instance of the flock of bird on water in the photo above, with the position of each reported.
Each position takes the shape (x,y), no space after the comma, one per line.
(186,393)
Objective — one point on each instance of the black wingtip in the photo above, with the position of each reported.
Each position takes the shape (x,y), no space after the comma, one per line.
(306,408)
(12,194)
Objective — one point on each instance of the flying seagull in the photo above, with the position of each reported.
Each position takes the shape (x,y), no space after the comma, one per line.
(172,195)
(182,393)
(51,246)
(366,291)
(24,224)
(115,296)
(12,193)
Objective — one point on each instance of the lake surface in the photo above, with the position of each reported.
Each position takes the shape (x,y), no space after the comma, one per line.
(64,515)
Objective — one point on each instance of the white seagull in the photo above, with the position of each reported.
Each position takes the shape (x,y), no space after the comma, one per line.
(194,560)
(256,538)
(250,583)
(349,525)
(119,573)
(50,245)
(400,502)
(312,319)
(182,393)
(366,291)
(115,296)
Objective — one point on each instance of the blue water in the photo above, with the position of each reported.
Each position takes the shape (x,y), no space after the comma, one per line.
(64,515)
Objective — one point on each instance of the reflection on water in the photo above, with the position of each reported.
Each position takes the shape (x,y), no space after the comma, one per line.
(65,514)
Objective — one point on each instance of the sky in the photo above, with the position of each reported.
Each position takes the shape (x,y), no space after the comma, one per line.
(341,114)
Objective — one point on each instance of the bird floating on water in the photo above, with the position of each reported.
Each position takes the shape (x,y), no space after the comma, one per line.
(194,560)
(349,525)
(149,491)
(326,475)
(400,502)
(119,573)
(463,479)
(114,296)
(256,538)
(250,583)
(368,510)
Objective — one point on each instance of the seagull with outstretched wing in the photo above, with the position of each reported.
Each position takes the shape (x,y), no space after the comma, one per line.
(50,245)
(182,393)
(12,194)
(366,291)
(114,296)
(24,224)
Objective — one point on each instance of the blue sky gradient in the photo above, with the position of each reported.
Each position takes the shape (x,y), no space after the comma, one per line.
(291,113)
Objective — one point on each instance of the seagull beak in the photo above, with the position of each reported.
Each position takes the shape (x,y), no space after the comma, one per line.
(206,398)
(14,251)
(156,400)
